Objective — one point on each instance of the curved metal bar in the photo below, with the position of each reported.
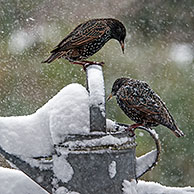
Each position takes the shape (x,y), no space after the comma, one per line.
(154,136)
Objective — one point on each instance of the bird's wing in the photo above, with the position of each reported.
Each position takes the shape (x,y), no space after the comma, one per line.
(144,101)
(84,33)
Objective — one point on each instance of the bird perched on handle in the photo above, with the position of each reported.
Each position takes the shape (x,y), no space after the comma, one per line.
(88,38)
(142,105)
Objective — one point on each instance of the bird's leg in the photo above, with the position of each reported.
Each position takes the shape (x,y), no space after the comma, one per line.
(80,63)
(86,64)
(131,128)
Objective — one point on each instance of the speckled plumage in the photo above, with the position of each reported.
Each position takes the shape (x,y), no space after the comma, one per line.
(142,105)
(88,38)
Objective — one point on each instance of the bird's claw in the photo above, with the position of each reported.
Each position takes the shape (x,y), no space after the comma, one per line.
(131,129)
(131,132)
(88,63)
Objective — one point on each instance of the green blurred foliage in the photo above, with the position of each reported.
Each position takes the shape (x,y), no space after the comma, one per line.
(153,27)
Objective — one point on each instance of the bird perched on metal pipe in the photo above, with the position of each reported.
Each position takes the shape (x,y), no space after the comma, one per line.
(88,38)
(142,105)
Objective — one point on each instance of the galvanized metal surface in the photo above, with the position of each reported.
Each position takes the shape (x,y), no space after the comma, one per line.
(42,177)
(90,162)
(91,166)
(91,171)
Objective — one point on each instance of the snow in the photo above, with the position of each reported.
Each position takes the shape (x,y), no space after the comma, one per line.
(112,169)
(96,87)
(106,140)
(110,125)
(143,187)
(62,169)
(156,188)
(145,161)
(30,19)
(26,135)
(15,181)
(34,135)
(182,54)
(20,40)
(63,190)
(70,115)
(151,131)
(24,38)
(129,187)
(141,134)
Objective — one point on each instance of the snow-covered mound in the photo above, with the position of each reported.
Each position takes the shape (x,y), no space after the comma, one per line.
(34,135)
(15,181)
(69,112)
(143,187)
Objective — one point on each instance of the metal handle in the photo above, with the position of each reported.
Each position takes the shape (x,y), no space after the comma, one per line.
(149,160)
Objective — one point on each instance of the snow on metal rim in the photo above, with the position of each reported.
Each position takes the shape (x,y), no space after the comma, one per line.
(94,142)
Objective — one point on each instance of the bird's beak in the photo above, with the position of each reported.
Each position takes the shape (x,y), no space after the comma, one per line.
(109,97)
(122,46)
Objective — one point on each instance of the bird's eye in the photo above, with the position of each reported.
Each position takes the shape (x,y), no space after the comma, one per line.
(107,31)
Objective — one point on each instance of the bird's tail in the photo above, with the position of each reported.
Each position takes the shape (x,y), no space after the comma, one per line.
(53,57)
(177,131)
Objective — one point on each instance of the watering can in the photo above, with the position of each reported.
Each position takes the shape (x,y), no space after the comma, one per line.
(94,163)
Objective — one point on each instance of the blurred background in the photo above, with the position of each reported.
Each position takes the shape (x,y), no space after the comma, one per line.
(159,49)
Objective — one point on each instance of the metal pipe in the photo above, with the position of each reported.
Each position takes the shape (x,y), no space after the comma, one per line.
(95,84)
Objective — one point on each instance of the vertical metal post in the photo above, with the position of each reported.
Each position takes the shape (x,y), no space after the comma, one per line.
(95,84)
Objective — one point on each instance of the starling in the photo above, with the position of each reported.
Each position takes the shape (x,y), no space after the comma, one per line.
(142,105)
(88,38)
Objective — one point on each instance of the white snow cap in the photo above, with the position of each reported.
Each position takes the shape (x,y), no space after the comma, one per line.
(96,83)
(110,125)
(33,135)
(26,135)
(69,112)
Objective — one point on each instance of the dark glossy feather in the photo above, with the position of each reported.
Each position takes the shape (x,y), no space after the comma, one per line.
(84,33)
